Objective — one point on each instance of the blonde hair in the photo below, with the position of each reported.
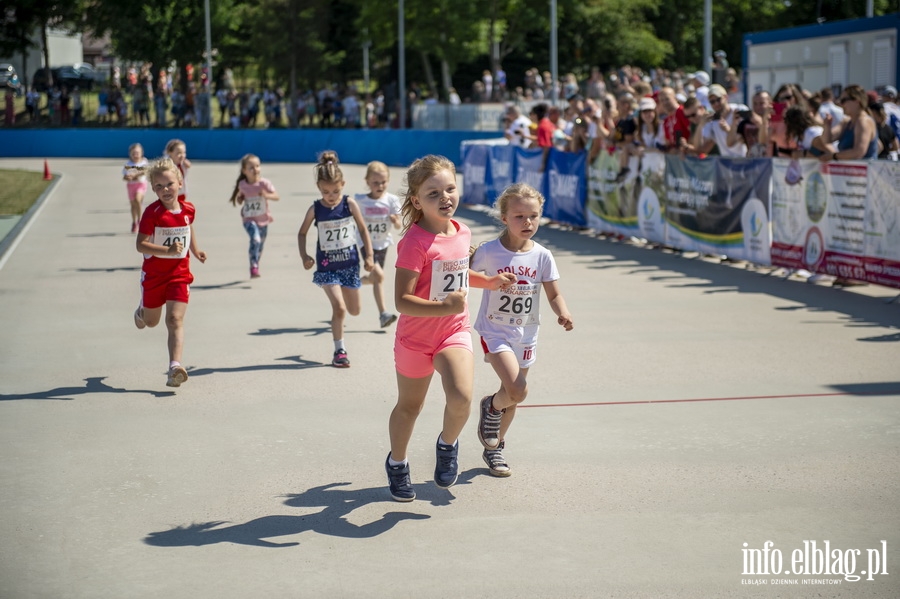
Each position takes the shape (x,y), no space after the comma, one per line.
(521,191)
(173,143)
(242,177)
(161,165)
(327,169)
(375,167)
(133,146)
(418,172)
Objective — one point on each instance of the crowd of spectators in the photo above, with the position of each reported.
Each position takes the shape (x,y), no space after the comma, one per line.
(689,114)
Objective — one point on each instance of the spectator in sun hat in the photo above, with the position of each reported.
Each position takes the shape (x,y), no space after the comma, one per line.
(720,60)
(724,118)
(700,81)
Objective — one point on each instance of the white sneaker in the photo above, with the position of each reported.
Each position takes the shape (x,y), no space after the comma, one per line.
(177,375)
(139,318)
(387,319)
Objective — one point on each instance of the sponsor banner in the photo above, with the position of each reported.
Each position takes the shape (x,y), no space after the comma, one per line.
(611,206)
(650,193)
(819,211)
(529,168)
(711,203)
(475,173)
(501,167)
(882,224)
(564,180)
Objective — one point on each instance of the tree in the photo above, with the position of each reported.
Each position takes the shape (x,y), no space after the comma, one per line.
(20,20)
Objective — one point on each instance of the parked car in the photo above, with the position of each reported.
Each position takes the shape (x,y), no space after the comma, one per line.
(71,76)
(9,77)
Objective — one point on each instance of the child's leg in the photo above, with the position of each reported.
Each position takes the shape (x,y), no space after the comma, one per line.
(150,316)
(513,386)
(410,399)
(378,288)
(255,241)
(351,300)
(175,312)
(263,232)
(338,310)
(457,369)
(136,209)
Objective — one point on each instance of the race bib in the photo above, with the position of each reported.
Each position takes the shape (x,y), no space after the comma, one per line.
(515,306)
(254,207)
(167,236)
(378,232)
(447,276)
(336,235)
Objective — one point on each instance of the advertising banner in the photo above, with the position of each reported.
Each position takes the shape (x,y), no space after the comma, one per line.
(565,194)
(475,172)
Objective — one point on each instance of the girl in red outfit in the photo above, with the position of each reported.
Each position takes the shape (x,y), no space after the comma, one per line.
(165,234)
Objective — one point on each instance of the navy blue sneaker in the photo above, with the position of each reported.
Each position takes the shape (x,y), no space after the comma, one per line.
(447,468)
(398,481)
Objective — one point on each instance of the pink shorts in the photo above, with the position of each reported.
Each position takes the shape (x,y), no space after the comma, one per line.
(134,187)
(417,364)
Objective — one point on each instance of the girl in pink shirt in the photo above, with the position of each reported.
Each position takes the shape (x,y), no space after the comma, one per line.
(433,332)
(253,194)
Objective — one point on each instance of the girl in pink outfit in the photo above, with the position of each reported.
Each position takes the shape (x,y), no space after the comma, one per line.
(253,194)
(433,332)
(135,176)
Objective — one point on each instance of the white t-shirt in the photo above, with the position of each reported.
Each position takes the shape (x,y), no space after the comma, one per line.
(130,165)
(713,130)
(513,314)
(518,132)
(809,135)
(377,216)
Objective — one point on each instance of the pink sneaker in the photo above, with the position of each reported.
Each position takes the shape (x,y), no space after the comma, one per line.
(254,272)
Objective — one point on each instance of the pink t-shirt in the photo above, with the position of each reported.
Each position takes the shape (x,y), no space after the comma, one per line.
(255,207)
(443,266)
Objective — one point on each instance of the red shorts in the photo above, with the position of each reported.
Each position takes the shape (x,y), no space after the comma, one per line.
(156,291)
(419,363)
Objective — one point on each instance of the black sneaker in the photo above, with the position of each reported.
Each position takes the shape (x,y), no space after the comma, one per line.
(495,462)
(340,359)
(398,481)
(447,468)
(488,423)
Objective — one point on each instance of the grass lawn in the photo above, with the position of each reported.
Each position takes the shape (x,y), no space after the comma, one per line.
(19,190)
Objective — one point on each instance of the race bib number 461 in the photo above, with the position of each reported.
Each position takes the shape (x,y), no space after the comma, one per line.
(167,236)
(447,276)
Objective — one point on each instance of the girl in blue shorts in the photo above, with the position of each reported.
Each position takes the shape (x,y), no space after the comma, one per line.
(337,218)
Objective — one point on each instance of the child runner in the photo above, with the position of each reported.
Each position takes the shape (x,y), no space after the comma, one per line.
(165,234)
(380,210)
(254,193)
(433,332)
(177,151)
(337,218)
(135,176)
(508,320)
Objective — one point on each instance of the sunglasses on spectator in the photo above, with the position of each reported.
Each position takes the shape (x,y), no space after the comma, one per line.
(715,99)
(844,99)
(690,116)
(784,98)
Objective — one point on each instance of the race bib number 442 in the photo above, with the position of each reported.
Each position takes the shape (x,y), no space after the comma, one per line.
(447,276)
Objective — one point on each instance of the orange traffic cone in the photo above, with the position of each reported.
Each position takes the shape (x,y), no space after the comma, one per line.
(47,175)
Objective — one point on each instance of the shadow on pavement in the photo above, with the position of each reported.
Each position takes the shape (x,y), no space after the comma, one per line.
(94,384)
(298,364)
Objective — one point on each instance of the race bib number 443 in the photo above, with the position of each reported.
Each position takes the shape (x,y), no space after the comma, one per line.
(167,236)
(516,306)
(447,276)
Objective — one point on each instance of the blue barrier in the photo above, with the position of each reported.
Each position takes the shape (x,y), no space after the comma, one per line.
(354,146)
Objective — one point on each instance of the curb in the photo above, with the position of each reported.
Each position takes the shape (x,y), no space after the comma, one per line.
(9,242)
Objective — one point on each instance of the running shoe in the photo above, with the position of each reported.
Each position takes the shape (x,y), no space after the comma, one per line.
(488,423)
(447,467)
(398,481)
(495,462)
(340,359)
(139,318)
(177,375)
(387,319)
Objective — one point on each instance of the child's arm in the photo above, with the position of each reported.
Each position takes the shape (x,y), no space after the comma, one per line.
(498,281)
(198,253)
(558,305)
(369,260)
(152,249)
(308,261)
(395,220)
(270,194)
(409,303)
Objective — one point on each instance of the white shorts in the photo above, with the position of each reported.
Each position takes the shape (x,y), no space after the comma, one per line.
(525,351)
